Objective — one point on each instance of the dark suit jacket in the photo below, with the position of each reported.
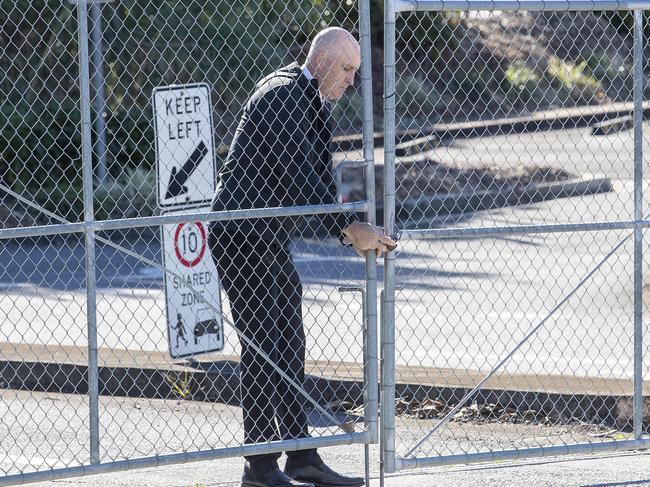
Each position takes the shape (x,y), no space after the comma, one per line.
(280,156)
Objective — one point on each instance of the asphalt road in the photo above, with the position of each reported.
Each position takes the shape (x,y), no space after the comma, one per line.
(599,471)
(50,431)
(463,302)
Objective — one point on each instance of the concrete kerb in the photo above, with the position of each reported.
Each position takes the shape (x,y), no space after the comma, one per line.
(216,379)
(613,125)
(416,141)
(416,210)
(154,375)
(412,213)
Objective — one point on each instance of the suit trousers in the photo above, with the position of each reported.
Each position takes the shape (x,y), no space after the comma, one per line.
(265,295)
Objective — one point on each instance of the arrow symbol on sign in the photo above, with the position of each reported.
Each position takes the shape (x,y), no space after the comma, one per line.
(176,187)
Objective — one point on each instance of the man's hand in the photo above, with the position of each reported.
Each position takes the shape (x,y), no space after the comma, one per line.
(364,237)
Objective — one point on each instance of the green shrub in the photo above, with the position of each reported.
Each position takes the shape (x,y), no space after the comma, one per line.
(130,140)
(521,77)
(40,151)
(571,75)
(523,84)
(615,78)
(40,154)
(64,200)
(132,195)
(575,80)
(417,97)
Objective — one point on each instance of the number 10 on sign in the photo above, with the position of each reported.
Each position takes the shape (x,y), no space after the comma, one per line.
(190,242)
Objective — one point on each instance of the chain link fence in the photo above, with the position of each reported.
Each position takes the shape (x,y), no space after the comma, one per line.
(512,310)
(100,326)
(517,184)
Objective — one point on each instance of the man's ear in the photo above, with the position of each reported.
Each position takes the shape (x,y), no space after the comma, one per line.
(324,62)
(318,60)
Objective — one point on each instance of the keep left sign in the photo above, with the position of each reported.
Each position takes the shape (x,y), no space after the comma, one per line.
(185,159)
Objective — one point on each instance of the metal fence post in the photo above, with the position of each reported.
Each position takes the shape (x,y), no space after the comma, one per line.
(98,86)
(87,168)
(638,216)
(371,339)
(388,316)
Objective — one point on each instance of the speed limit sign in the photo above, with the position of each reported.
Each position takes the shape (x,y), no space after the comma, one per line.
(191,281)
(190,242)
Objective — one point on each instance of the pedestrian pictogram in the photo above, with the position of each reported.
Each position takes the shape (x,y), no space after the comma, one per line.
(180,329)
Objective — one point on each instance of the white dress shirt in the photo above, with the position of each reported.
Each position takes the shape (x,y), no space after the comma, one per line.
(307,73)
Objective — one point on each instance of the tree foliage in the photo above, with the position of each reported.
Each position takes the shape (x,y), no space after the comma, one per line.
(150,43)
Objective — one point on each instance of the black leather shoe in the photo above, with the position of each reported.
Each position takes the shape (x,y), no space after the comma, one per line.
(322,476)
(272,478)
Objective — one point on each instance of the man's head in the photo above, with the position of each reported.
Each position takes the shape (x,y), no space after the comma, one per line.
(333,59)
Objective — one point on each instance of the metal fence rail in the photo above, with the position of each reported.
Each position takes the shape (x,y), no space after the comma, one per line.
(510,316)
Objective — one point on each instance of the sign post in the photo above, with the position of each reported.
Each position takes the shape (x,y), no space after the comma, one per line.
(186,171)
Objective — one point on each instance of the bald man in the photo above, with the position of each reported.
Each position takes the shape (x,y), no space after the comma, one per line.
(280,156)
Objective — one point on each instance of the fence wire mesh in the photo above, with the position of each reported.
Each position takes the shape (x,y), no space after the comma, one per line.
(503,119)
(150,404)
(507,119)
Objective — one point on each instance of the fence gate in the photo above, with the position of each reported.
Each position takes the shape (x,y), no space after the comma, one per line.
(512,322)
(82,302)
